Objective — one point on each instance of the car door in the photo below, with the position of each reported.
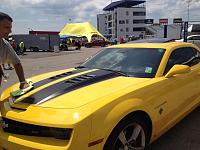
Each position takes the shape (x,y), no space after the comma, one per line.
(190,39)
(196,40)
(181,90)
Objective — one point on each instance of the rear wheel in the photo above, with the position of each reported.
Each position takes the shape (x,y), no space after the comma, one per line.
(129,134)
(35,49)
(87,46)
(31,49)
(103,45)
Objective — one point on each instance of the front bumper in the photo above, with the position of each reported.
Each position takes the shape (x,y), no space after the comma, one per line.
(12,141)
(79,140)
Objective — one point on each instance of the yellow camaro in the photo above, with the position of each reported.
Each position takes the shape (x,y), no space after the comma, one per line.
(123,98)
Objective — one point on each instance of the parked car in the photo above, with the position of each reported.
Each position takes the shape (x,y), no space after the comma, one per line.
(124,97)
(195,39)
(101,43)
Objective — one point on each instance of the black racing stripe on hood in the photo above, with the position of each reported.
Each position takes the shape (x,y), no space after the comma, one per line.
(59,76)
(69,85)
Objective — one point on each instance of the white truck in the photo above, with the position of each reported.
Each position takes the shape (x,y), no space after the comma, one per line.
(40,42)
(195,39)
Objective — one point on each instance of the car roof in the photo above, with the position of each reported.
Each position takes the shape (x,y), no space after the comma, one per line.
(152,45)
(194,35)
(153,40)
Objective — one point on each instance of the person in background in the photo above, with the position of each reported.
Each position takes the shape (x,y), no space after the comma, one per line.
(13,44)
(78,44)
(7,54)
(21,47)
(122,40)
(7,68)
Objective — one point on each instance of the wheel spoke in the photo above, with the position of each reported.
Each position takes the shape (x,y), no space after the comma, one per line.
(138,148)
(135,134)
(122,138)
(131,137)
(143,140)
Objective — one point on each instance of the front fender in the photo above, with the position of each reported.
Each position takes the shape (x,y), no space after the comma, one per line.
(105,119)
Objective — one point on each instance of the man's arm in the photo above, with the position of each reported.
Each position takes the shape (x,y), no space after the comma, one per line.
(12,57)
(1,74)
(20,73)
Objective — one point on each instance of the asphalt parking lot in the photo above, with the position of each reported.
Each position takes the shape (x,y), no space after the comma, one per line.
(184,136)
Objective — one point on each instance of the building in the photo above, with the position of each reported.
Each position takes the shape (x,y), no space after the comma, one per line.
(174,31)
(101,23)
(123,18)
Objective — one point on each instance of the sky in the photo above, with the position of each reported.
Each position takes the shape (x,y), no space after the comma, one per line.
(52,15)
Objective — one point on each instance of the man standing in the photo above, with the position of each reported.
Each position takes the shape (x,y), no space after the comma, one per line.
(7,54)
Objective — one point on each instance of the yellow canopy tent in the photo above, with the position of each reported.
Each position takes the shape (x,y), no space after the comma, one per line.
(79,30)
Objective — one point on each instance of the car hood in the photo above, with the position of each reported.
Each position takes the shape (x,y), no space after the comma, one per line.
(71,88)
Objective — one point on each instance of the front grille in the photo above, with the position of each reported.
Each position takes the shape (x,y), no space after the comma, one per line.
(15,127)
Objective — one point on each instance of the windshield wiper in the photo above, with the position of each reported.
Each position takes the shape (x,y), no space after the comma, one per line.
(116,71)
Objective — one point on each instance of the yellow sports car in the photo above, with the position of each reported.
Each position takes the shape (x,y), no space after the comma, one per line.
(123,98)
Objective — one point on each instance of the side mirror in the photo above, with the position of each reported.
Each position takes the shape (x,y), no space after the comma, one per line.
(177,69)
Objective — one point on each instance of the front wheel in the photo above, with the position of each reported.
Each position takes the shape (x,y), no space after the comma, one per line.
(129,134)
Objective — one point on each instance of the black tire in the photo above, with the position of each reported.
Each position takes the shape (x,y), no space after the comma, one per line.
(31,49)
(35,49)
(24,49)
(125,128)
(87,46)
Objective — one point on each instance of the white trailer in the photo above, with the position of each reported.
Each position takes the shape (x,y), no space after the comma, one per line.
(43,42)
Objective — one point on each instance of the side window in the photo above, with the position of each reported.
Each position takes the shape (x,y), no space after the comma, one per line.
(191,38)
(196,38)
(185,56)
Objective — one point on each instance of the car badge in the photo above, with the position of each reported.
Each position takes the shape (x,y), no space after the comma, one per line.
(161,111)
(3,124)
(11,100)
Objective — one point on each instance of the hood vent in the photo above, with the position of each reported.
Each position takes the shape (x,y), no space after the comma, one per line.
(80,79)
(61,75)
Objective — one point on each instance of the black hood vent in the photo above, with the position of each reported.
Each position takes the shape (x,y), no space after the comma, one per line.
(61,75)
(81,78)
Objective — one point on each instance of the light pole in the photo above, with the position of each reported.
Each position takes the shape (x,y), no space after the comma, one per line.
(188,2)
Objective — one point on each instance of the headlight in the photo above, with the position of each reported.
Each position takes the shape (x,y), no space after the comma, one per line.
(61,133)
(15,127)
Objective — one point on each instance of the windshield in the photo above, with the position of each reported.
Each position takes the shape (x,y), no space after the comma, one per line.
(137,62)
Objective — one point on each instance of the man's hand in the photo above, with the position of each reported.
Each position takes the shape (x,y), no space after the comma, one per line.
(23,85)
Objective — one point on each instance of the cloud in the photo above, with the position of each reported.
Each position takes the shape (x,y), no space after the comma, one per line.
(55,13)
(173,9)
(87,9)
